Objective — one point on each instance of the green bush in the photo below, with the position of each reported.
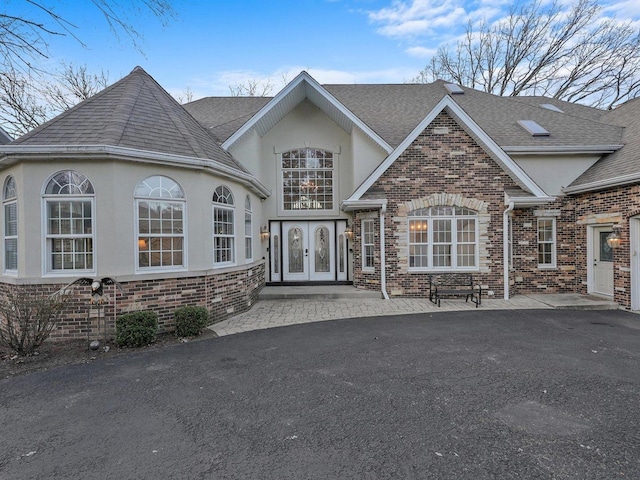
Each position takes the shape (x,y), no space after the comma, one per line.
(136,329)
(190,321)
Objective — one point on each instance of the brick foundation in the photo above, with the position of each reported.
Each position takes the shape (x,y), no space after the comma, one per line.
(223,294)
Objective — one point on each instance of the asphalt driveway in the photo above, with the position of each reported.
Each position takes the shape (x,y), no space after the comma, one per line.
(461,395)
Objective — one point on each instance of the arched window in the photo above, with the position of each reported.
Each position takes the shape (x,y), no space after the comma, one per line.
(69,203)
(223,227)
(307,179)
(10,201)
(160,208)
(443,238)
(248,236)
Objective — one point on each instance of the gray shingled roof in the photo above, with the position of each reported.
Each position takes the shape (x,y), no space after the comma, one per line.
(394,110)
(137,113)
(625,161)
(223,116)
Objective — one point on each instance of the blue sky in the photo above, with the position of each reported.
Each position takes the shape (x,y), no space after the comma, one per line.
(213,44)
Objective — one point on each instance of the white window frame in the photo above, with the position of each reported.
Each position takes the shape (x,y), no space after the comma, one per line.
(162,190)
(248,230)
(311,212)
(552,243)
(429,218)
(223,202)
(10,201)
(77,189)
(368,248)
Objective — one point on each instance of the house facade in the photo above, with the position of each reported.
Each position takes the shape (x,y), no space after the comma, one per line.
(377,186)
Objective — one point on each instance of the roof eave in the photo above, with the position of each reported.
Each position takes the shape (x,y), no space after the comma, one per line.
(305,77)
(602,184)
(10,154)
(563,149)
(369,204)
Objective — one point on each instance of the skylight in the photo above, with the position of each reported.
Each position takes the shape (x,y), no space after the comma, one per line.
(454,89)
(550,106)
(534,128)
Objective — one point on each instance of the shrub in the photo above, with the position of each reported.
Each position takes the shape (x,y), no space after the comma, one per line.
(190,321)
(136,329)
(29,318)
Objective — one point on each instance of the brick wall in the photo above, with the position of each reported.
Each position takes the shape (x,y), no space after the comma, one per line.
(450,165)
(611,206)
(223,294)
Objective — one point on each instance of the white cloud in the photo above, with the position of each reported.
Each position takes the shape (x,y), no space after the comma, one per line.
(421,52)
(417,17)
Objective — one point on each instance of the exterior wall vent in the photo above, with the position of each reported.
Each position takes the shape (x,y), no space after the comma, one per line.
(454,89)
(535,129)
(441,130)
(550,106)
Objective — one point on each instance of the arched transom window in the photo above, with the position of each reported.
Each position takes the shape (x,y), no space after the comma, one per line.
(10,202)
(160,209)
(69,209)
(307,179)
(443,238)
(223,227)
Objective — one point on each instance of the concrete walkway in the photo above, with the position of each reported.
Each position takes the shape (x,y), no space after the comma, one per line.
(283,306)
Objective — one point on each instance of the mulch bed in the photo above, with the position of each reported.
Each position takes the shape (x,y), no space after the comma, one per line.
(52,354)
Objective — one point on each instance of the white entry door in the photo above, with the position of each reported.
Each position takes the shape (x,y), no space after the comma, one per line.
(602,262)
(308,250)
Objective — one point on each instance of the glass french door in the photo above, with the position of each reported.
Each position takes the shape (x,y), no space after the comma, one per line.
(308,251)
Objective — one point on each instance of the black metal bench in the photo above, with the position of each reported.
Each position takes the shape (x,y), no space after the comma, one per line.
(454,284)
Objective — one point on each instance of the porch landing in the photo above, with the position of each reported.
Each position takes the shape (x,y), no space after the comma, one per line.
(575,301)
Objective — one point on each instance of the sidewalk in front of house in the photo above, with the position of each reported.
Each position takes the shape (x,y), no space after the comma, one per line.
(283,306)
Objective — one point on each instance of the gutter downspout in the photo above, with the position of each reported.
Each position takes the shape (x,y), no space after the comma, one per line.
(383,263)
(505,248)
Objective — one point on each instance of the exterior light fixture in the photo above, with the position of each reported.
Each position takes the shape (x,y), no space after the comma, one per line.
(264,232)
(613,239)
(348,232)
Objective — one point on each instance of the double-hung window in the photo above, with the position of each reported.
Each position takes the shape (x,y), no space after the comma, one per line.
(160,210)
(10,200)
(443,238)
(223,227)
(69,231)
(546,242)
(368,245)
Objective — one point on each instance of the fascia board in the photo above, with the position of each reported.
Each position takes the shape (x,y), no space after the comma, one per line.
(448,102)
(13,153)
(305,77)
(350,205)
(602,184)
(563,150)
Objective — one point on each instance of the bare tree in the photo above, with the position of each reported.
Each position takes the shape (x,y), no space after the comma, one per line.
(571,55)
(29,95)
(24,38)
(72,85)
(186,96)
(252,88)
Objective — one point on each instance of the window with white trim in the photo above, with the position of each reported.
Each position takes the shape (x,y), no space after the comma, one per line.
(69,231)
(160,209)
(223,227)
(248,236)
(546,242)
(443,238)
(307,179)
(368,245)
(10,201)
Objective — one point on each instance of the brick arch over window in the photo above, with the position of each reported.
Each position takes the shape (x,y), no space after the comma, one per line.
(442,199)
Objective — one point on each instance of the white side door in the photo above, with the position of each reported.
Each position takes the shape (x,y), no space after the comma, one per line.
(602,262)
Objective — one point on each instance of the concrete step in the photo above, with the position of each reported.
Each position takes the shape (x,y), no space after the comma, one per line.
(575,301)
(315,292)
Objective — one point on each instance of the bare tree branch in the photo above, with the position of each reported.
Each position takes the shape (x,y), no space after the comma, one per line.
(541,49)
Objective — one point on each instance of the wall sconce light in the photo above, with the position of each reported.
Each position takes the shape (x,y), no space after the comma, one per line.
(142,244)
(348,232)
(614,239)
(264,232)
